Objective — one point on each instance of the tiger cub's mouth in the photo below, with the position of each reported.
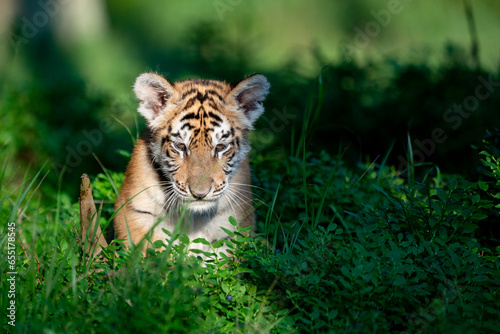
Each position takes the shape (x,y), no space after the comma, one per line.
(199,202)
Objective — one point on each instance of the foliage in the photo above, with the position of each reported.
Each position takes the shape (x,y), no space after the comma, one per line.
(410,264)
(337,250)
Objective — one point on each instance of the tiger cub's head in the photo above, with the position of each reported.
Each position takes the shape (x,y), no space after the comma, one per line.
(198,134)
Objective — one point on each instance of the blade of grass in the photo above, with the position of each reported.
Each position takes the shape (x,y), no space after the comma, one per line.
(328,184)
(384,161)
(336,212)
(411,163)
(319,105)
(25,193)
(270,212)
(364,173)
(304,179)
(134,139)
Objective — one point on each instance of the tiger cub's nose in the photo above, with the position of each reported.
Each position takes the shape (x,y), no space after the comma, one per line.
(199,194)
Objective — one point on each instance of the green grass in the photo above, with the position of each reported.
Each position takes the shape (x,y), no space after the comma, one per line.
(337,250)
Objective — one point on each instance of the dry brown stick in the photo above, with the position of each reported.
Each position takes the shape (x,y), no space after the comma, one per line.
(88,220)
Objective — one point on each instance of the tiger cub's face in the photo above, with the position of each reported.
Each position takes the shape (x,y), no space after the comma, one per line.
(198,134)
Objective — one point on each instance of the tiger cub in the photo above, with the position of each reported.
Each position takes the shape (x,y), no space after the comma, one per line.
(190,166)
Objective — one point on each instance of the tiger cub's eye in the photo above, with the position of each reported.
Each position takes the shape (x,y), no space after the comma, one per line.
(180,146)
(220,147)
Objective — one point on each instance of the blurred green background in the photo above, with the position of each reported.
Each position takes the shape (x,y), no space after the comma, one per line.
(379,72)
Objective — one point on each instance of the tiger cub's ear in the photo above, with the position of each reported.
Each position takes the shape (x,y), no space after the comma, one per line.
(249,95)
(154,91)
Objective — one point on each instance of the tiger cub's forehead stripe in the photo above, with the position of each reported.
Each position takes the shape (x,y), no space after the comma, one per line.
(192,115)
(203,82)
(207,95)
(191,91)
(214,116)
(213,92)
